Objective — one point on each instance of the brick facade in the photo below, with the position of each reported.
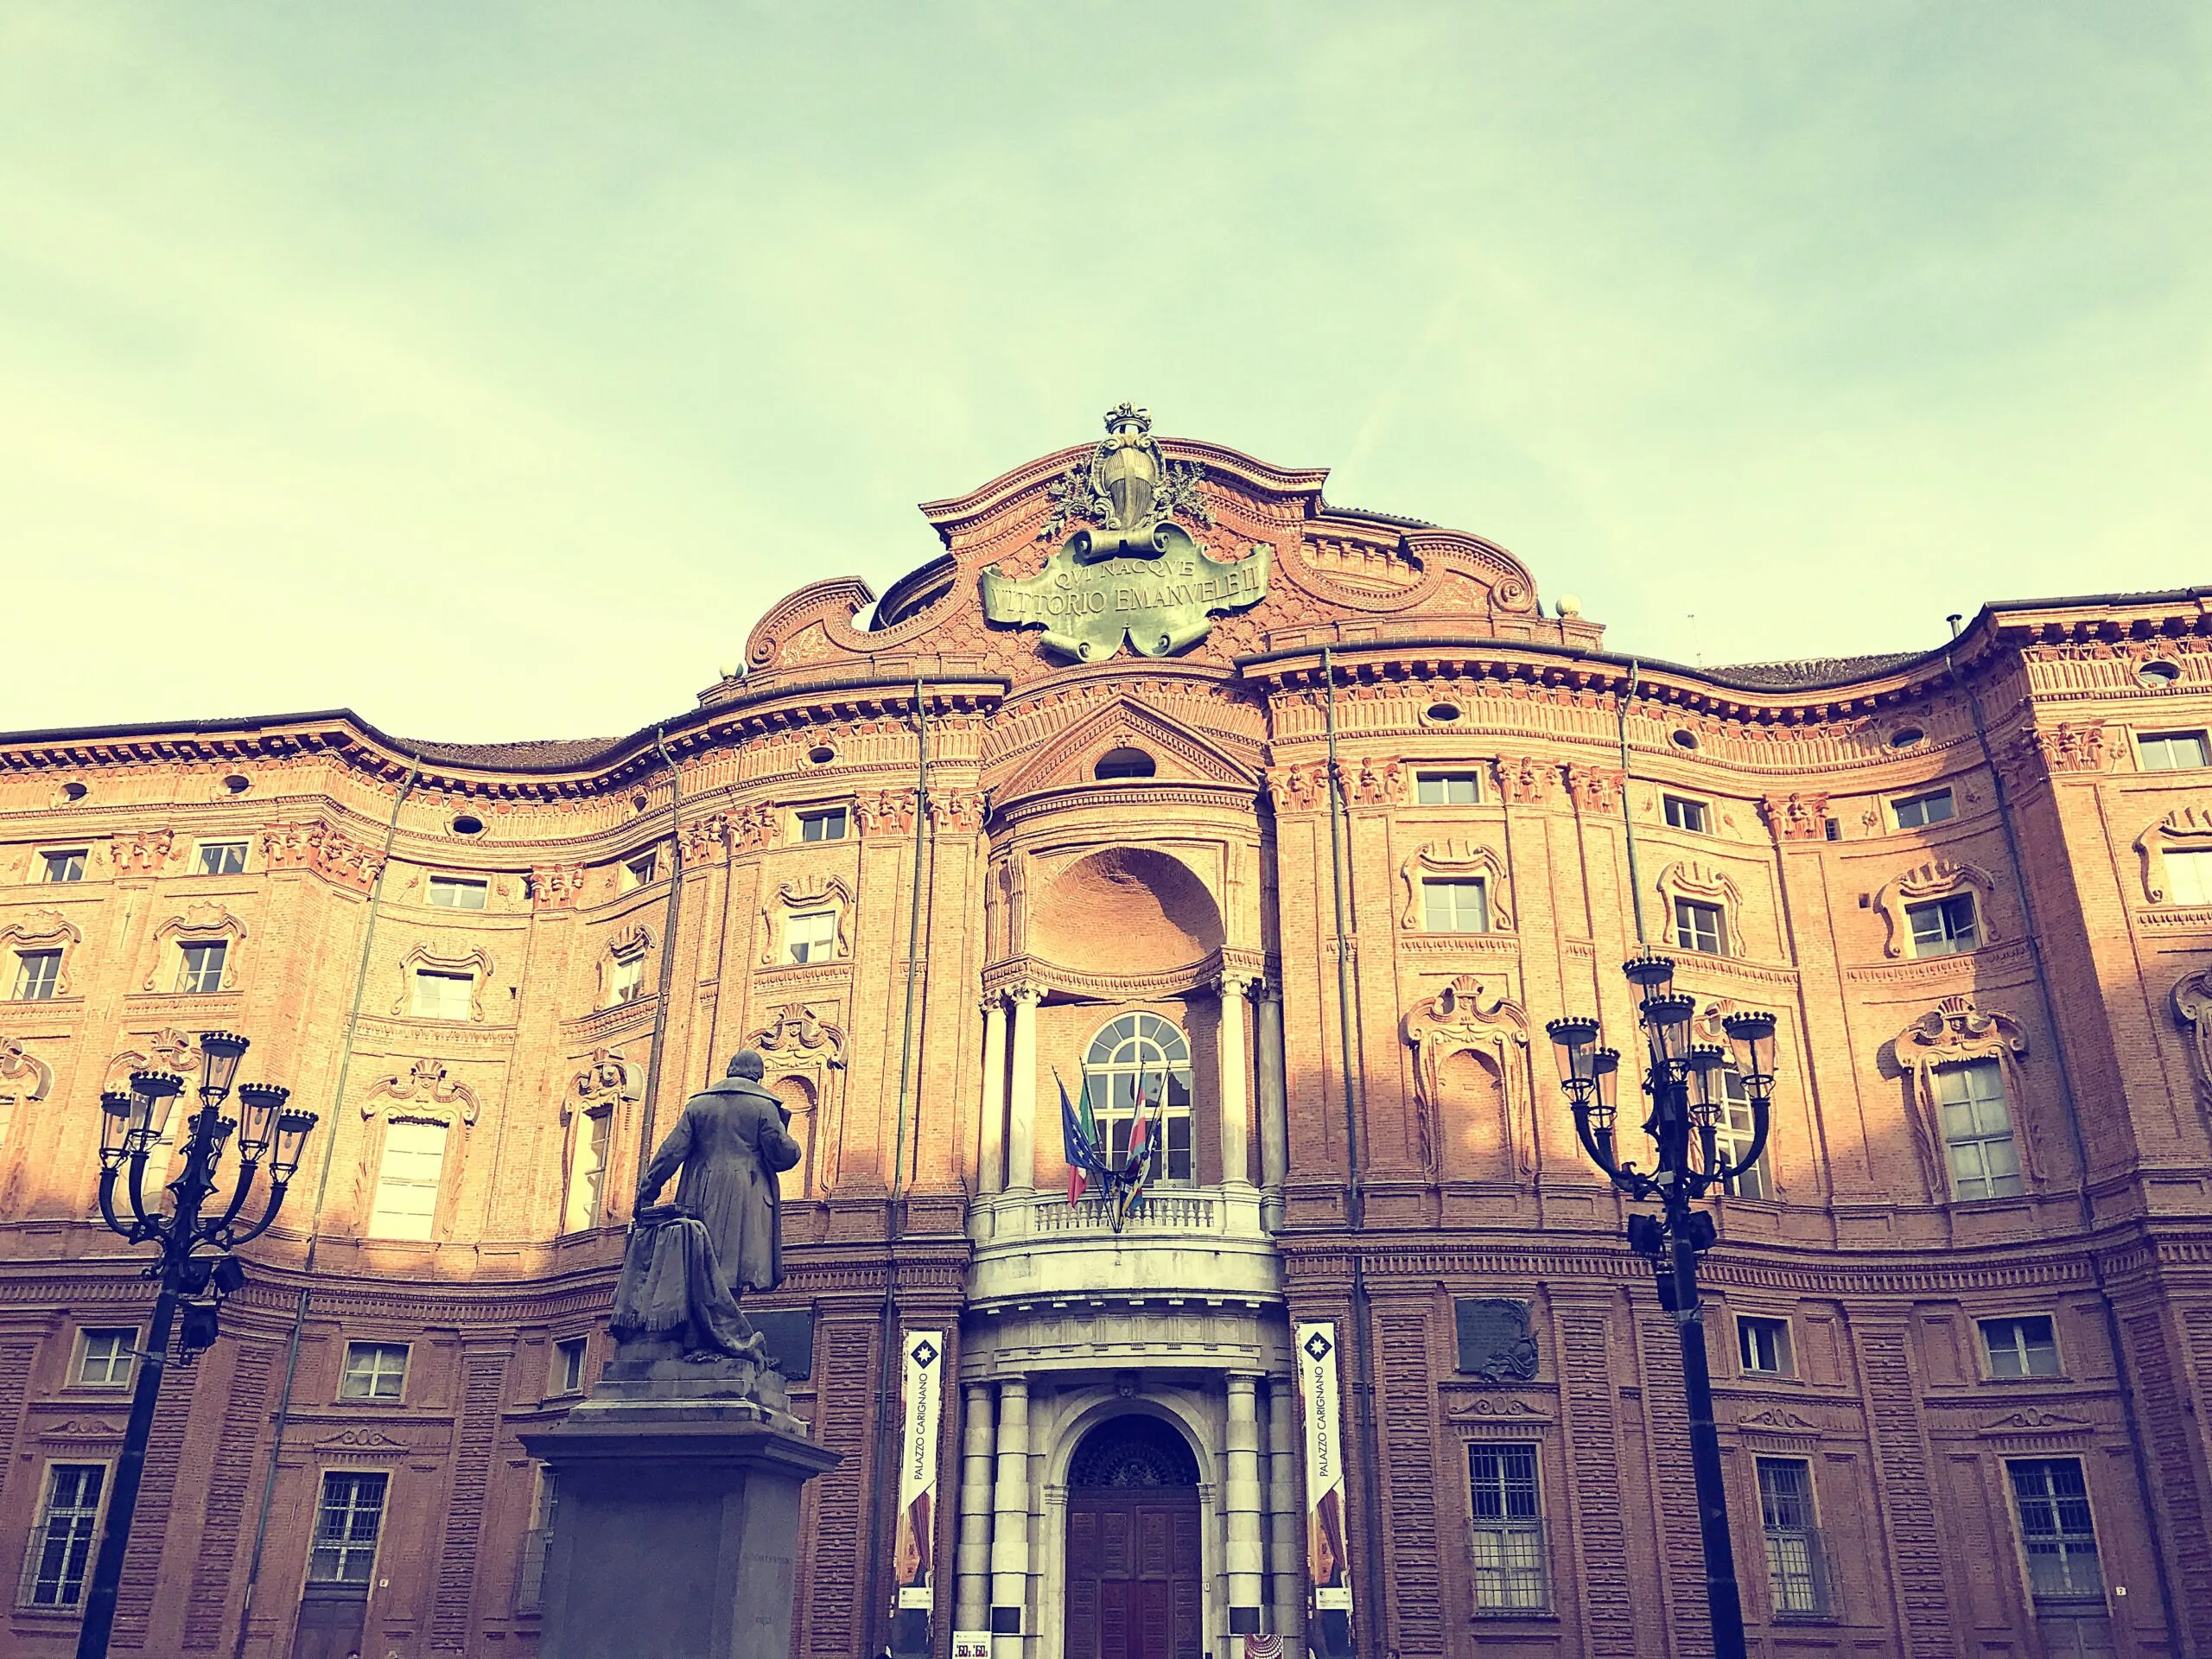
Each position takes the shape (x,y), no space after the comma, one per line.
(600,990)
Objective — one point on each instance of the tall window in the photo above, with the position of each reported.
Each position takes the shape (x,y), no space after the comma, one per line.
(828,824)
(442,996)
(1511,1564)
(1459,906)
(346,1527)
(810,935)
(61,1550)
(2189,878)
(1682,813)
(221,858)
(199,966)
(629,978)
(1978,1131)
(1918,811)
(1142,1054)
(458,892)
(2025,1346)
(407,1181)
(1700,927)
(587,1169)
(1797,1570)
(62,867)
(1447,789)
(374,1371)
(38,974)
(569,1365)
(2056,1530)
(529,1584)
(105,1359)
(1943,927)
(2172,751)
(1731,1137)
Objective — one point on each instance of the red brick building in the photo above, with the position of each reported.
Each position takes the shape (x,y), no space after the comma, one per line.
(1961,1328)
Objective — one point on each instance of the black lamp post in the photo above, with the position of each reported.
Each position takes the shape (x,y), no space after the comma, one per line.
(1682,1079)
(131,1125)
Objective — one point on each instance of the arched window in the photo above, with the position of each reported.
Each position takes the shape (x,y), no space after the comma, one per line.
(1142,1054)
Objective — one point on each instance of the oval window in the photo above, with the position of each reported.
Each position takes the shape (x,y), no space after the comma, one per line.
(74,791)
(1905,737)
(1124,763)
(2158,673)
(1443,713)
(822,755)
(469,825)
(1685,739)
(236,783)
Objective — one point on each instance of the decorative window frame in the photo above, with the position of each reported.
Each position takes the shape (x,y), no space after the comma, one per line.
(1940,878)
(25,1080)
(1472,1015)
(45,930)
(428,1094)
(806,893)
(797,1042)
(633,944)
(475,963)
(2191,1000)
(607,1083)
(1458,858)
(1954,1033)
(203,921)
(2186,828)
(1705,884)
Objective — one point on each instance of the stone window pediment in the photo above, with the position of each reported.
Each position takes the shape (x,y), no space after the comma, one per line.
(607,1078)
(1956,1033)
(426,1093)
(1462,859)
(807,895)
(476,965)
(622,976)
(1703,883)
(204,922)
(2185,829)
(43,930)
(1937,879)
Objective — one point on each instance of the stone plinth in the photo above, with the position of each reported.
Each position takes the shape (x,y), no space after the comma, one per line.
(676,1534)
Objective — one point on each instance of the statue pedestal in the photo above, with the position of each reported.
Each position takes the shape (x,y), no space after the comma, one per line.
(676,1533)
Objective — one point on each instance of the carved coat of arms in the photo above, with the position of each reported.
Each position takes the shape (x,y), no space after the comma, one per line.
(1128,570)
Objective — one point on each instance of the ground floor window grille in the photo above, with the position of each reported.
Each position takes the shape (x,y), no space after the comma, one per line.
(60,1553)
(2056,1530)
(347,1525)
(1796,1568)
(1512,1573)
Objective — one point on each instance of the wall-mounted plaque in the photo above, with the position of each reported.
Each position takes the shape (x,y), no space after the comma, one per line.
(1496,1341)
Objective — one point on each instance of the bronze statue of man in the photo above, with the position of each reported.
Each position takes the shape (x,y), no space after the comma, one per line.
(688,1263)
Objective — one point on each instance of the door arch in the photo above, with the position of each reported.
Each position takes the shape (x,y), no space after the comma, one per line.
(1132,1558)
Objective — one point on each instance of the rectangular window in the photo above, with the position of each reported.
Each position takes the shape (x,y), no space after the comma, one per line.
(1764,1346)
(639,872)
(1700,927)
(105,1359)
(1512,1569)
(374,1371)
(2189,878)
(536,1543)
(458,892)
(1447,789)
(442,996)
(38,974)
(1978,1131)
(1943,927)
(811,935)
(2024,1346)
(1682,813)
(199,967)
(221,858)
(629,978)
(60,1553)
(2172,751)
(62,867)
(2056,1528)
(407,1181)
(1918,811)
(1454,907)
(1731,1137)
(347,1524)
(569,1365)
(828,824)
(1797,1570)
(587,1170)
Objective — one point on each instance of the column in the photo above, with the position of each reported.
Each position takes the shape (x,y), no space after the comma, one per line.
(1236,1107)
(1010,1519)
(1240,1503)
(991,1149)
(1275,1109)
(1021,1113)
(972,1601)
(1286,1515)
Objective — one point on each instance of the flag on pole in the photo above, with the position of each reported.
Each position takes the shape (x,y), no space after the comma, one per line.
(1130,1179)
(1078,1139)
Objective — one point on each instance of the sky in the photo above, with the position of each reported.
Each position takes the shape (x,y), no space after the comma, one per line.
(489,368)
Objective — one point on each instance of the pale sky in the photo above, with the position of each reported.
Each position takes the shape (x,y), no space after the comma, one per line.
(488,368)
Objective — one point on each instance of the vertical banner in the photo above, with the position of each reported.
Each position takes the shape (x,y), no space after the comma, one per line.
(913,1551)
(1328,1562)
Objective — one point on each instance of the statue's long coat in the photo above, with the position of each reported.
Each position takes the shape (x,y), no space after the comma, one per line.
(732,1144)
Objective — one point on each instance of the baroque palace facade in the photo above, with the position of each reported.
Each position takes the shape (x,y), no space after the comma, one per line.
(1060,808)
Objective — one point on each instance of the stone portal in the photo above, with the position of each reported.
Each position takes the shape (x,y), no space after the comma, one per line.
(1132,1561)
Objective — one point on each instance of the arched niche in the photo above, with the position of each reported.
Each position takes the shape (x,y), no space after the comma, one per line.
(1125,909)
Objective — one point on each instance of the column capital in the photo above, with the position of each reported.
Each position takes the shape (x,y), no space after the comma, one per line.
(1024,991)
(1239,981)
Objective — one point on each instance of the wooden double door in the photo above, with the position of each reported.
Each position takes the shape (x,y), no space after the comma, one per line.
(1133,1574)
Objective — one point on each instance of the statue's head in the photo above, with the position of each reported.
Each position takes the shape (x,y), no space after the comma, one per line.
(748,1063)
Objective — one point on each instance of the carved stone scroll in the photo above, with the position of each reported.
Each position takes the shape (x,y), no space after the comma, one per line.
(2185,829)
(46,929)
(1461,858)
(1937,879)
(1472,1015)
(428,1092)
(1955,1033)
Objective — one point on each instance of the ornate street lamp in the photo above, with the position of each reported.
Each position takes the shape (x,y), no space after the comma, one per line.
(1682,1079)
(132,1124)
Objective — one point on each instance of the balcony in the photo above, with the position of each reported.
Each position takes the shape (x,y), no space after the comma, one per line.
(1184,1245)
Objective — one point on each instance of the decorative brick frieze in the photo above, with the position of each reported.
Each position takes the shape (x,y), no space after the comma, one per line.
(1907,1501)
(230,1485)
(1593,1448)
(476,1434)
(1411,1469)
